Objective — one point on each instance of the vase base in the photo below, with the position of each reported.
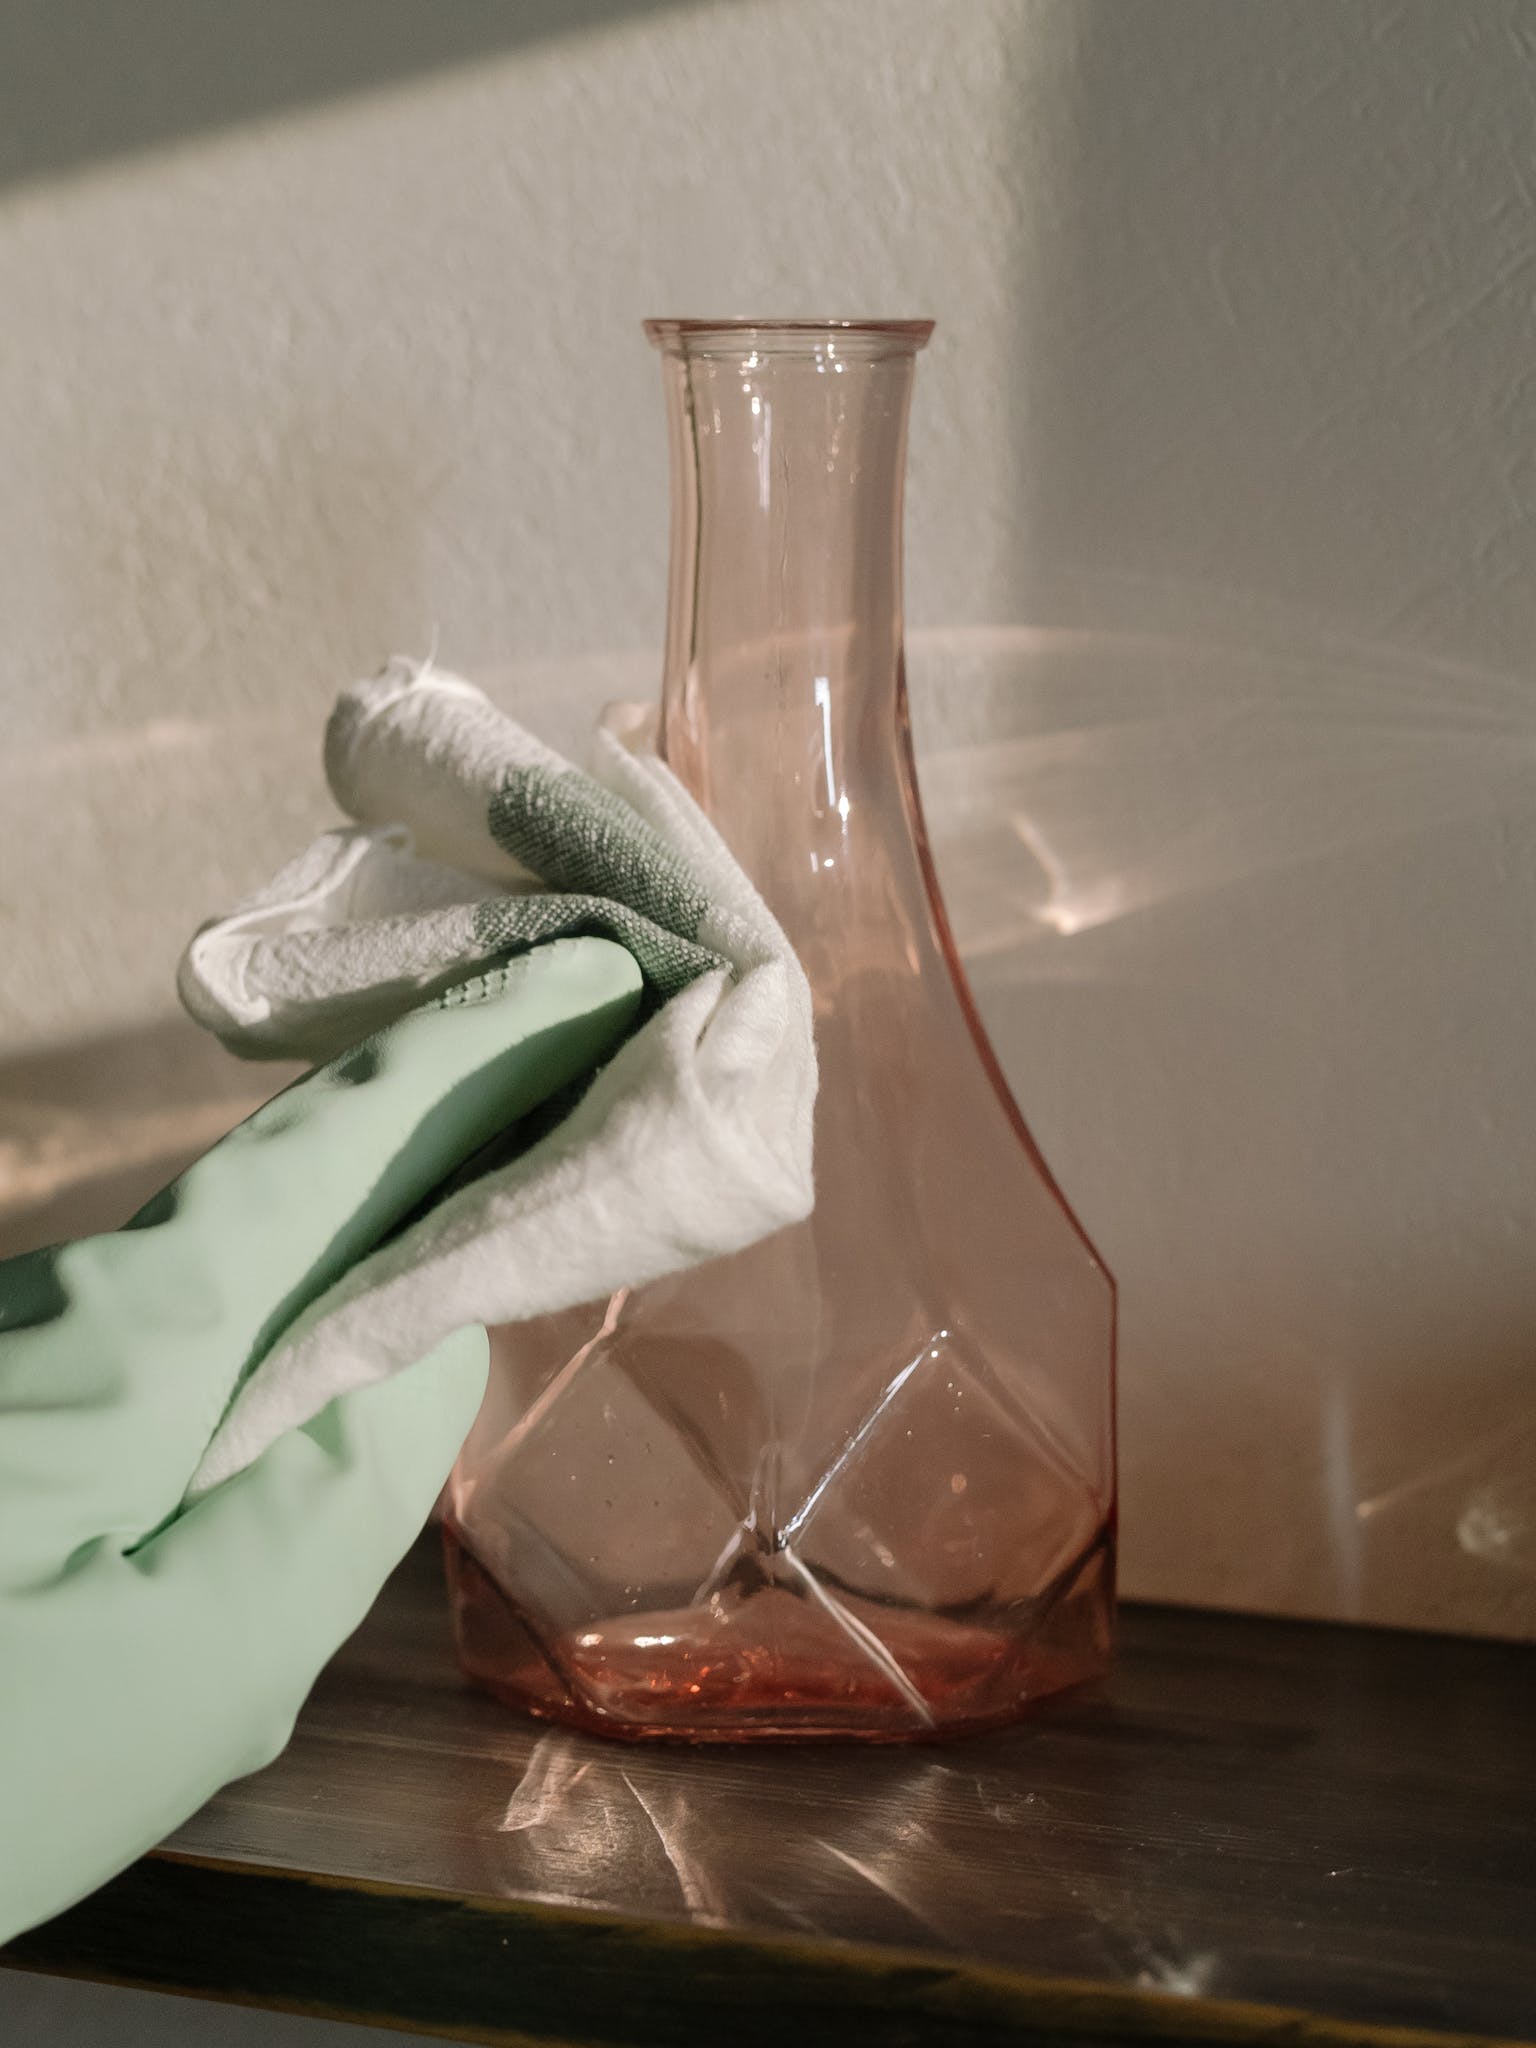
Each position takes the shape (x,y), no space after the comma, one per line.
(782,1665)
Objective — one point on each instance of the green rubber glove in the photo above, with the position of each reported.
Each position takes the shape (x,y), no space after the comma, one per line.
(150,1652)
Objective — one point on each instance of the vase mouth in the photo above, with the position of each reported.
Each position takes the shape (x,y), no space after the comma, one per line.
(734,337)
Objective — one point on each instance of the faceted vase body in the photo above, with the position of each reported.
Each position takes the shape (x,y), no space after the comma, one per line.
(857,1481)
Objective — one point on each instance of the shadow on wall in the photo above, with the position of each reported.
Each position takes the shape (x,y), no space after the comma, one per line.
(1286,356)
(133,74)
(90,1130)
(1263,795)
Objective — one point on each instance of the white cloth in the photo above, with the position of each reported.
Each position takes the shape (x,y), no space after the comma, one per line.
(695,1140)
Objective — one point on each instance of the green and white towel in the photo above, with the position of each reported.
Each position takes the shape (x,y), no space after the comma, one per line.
(473,842)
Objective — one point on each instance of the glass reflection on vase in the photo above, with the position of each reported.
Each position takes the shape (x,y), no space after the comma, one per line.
(857,1481)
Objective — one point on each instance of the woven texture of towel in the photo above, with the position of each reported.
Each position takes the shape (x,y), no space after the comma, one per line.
(472,843)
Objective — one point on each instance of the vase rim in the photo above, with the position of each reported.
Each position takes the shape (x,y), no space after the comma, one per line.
(708,337)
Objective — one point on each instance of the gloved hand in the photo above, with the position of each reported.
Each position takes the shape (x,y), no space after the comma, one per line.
(152,1650)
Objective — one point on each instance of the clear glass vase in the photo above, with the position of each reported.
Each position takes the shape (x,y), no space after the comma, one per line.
(857,1481)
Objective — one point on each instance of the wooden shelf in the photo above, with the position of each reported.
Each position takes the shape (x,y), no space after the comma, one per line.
(1251,1815)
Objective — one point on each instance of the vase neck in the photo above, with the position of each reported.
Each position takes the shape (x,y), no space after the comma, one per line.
(782,691)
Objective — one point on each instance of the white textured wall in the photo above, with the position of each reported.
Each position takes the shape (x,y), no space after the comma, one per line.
(1223,475)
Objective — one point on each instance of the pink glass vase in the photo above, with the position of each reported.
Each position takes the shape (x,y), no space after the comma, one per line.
(857,1481)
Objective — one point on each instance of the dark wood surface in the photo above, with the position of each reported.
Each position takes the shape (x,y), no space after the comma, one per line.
(1251,1815)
